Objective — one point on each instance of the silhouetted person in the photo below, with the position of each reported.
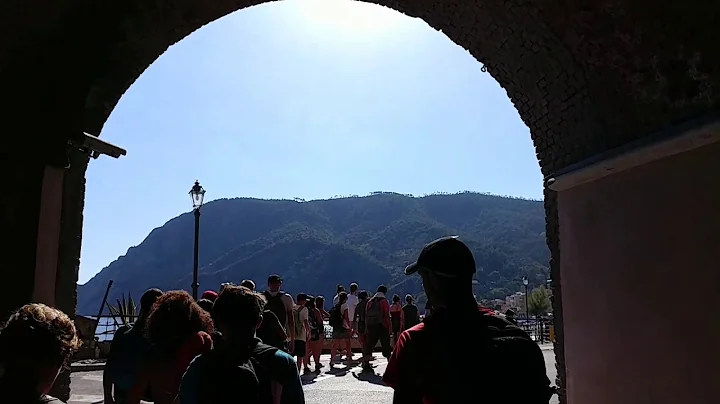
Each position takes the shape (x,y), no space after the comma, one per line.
(281,304)
(510,316)
(128,351)
(248,284)
(377,324)
(460,348)
(206,304)
(178,330)
(36,342)
(244,369)
(411,314)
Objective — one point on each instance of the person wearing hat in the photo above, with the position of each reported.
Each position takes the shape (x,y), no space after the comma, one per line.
(452,351)
(281,304)
(209,295)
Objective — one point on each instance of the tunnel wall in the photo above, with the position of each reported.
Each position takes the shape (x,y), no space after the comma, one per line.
(641,282)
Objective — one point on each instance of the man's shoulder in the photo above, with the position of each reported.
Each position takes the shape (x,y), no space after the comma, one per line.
(46,399)
(418,330)
(412,337)
(283,365)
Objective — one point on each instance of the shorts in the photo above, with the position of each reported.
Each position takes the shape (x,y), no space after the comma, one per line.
(300,348)
(341,333)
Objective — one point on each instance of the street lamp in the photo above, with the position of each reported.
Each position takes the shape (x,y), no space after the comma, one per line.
(197,194)
(527,309)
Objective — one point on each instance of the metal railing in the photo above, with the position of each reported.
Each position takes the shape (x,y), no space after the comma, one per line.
(107,326)
(537,329)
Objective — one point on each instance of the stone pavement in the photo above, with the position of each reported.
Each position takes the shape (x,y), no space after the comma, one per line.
(329,386)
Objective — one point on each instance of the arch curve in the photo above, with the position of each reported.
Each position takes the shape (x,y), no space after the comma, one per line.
(495,36)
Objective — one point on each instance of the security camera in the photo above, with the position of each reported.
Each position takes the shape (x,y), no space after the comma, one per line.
(94,146)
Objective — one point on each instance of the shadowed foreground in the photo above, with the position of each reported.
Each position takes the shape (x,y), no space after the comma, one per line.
(338,385)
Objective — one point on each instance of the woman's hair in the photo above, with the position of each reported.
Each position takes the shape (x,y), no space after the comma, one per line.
(342,297)
(174,318)
(35,336)
(248,284)
(238,308)
(320,302)
(408,298)
(363,294)
(310,302)
(396,298)
(206,304)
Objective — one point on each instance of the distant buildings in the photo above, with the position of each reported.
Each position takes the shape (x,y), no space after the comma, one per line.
(515,301)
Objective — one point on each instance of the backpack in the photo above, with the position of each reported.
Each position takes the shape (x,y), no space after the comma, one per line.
(270,331)
(314,326)
(299,329)
(335,317)
(277,306)
(373,312)
(224,380)
(509,357)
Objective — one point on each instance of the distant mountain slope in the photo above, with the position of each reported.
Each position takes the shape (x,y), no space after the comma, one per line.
(318,244)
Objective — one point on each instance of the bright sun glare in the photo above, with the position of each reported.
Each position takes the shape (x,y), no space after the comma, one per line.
(353,17)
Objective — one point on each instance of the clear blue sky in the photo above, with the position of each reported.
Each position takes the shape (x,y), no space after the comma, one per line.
(302,98)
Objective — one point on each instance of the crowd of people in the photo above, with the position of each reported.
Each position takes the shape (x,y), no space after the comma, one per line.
(240,345)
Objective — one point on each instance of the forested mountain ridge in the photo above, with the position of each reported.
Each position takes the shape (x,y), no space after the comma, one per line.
(317,244)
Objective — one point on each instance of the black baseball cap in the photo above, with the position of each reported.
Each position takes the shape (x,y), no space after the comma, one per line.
(447,256)
(274,279)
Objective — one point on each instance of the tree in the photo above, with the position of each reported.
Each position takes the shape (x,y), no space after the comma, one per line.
(539,301)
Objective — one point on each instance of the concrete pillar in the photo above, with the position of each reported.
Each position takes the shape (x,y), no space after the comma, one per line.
(42,218)
(640,249)
(20,222)
(68,257)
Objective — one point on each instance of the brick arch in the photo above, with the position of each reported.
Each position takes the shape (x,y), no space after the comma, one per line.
(584,77)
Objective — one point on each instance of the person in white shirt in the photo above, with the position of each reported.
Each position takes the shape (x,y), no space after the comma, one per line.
(340,288)
(302,331)
(352,303)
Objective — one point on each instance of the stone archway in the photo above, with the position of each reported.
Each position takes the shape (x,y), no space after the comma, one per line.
(586,77)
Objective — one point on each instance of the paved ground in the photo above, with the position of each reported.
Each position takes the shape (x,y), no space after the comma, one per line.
(330,386)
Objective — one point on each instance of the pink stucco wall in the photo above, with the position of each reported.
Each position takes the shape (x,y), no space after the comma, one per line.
(640,275)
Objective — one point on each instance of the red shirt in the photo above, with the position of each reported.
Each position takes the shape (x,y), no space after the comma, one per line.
(435,361)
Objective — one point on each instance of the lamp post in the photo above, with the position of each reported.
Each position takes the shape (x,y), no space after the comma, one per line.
(197,194)
(527,309)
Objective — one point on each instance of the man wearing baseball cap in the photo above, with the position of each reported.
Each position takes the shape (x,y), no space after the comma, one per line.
(281,304)
(451,356)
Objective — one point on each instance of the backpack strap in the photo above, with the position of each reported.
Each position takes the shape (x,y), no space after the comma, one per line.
(261,359)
